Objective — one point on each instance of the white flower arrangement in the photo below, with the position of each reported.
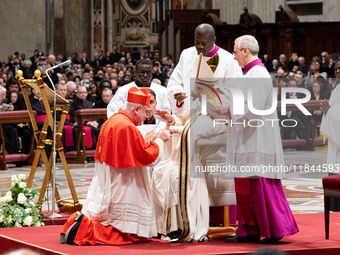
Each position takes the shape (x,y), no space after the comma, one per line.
(17,208)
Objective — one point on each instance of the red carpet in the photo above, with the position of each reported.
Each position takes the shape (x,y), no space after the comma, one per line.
(55,221)
(309,241)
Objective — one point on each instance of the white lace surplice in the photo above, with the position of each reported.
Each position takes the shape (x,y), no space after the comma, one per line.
(250,146)
(121,197)
(330,129)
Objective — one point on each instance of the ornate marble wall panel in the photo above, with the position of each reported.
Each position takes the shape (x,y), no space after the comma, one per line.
(134,24)
(98,25)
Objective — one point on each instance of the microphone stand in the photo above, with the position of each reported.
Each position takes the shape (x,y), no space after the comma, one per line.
(53,214)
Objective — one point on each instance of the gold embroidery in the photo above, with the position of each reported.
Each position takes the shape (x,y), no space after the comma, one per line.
(184,172)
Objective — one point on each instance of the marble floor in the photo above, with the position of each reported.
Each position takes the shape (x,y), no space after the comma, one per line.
(303,188)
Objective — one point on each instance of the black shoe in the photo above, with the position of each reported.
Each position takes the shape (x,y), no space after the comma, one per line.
(271,240)
(175,235)
(71,232)
(159,236)
(243,239)
(19,164)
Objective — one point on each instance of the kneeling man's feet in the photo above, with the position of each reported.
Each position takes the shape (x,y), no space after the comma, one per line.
(271,240)
(71,232)
(243,239)
(175,235)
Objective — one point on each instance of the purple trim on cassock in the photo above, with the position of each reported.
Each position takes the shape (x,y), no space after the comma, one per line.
(213,52)
(273,215)
(250,65)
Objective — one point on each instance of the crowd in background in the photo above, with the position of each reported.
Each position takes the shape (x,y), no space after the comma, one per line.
(320,76)
(91,82)
(87,83)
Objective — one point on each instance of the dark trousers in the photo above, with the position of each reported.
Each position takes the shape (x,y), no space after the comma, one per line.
(11,139)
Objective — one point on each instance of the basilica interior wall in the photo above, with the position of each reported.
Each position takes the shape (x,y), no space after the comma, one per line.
(23,27)
(86,26)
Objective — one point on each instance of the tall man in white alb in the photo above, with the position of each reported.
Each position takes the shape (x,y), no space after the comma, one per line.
(179,83)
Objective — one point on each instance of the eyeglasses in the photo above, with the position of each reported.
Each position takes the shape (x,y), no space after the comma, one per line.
(234,53)
(146,111)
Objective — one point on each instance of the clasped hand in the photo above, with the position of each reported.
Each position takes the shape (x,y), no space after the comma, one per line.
(179,97)
(162,134)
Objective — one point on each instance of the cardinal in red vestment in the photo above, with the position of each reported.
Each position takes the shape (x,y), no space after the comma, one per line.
(119,207)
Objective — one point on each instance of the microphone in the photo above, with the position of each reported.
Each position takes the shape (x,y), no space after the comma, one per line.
(66,63)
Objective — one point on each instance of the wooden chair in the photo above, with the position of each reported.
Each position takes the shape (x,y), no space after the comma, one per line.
(13,117)
(79,156)
(309,142)
(331,188)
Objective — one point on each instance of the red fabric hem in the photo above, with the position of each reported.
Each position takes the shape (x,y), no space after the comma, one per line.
(92,232)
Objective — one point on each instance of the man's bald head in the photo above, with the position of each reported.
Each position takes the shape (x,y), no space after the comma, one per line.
(205,29)
(204,38)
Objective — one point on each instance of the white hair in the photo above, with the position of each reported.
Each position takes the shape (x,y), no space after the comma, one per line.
(60,84)
(109,90)
(248,41)
(129,106)
(71,84)
(2,89)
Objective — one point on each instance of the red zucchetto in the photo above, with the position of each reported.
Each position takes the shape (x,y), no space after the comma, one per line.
(139,96)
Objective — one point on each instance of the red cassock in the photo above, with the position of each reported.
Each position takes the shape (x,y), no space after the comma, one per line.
(120,145)
(91,232)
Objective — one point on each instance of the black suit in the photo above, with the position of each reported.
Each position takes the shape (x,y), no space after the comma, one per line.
(95,63)
(115,57)
(78,104)
(15,68)
(83,62)
(280,64)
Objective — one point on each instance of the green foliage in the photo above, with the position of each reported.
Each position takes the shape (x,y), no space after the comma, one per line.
(17,208)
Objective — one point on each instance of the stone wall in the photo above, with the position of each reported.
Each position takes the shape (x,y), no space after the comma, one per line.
(22,27)
(77,18)
(89,25)
(232,9)
(306,10)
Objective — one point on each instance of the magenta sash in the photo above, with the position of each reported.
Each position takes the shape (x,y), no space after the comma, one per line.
(68,136)
(41,118)
(88,138)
